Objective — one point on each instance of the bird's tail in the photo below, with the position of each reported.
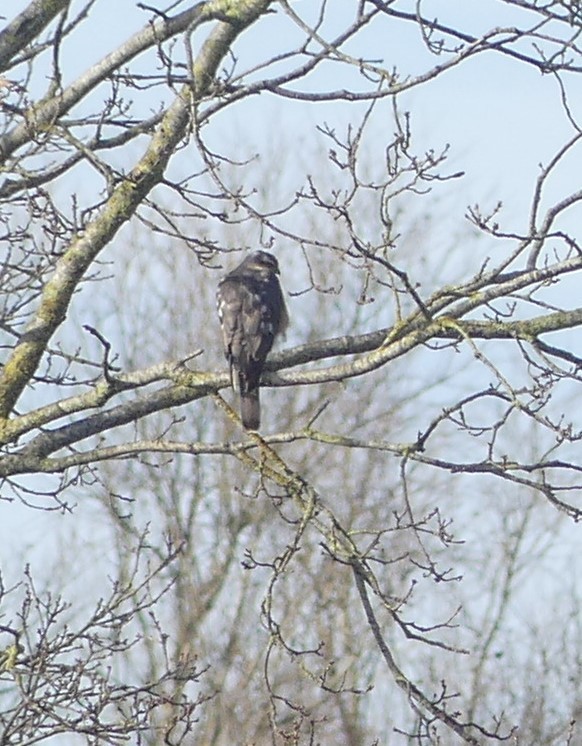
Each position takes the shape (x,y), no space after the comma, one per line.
(250,409)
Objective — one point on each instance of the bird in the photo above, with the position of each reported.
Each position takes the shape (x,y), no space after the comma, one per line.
(252,312)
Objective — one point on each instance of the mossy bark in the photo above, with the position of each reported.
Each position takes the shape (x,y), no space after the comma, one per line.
(124,200)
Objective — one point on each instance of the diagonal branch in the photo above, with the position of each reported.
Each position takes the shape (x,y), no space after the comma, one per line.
(26,27)
(122,203)
(47,111)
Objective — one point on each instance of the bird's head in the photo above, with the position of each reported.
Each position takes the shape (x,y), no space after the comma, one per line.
(262,261)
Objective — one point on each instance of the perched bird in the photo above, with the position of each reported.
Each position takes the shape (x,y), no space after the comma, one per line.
(252,312)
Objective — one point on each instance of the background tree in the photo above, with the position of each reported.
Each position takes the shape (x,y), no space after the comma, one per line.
(381,564)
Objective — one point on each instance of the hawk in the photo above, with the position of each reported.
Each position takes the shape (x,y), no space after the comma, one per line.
(252,312)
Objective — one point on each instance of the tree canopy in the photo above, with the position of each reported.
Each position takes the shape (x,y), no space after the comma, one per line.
(382,562)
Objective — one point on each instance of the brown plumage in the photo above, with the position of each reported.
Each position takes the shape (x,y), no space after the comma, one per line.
(252,312)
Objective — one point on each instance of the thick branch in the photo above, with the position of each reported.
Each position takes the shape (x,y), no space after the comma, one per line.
(120,207)
(190,386)
(26,27)
(526,329)
(48,110)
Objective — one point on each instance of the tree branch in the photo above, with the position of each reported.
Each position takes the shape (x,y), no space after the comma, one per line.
(26,27)
(121,205)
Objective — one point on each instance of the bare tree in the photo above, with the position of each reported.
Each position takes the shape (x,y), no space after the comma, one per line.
(354,573)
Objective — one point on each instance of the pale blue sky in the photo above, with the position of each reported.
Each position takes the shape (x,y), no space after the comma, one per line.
(500,118)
